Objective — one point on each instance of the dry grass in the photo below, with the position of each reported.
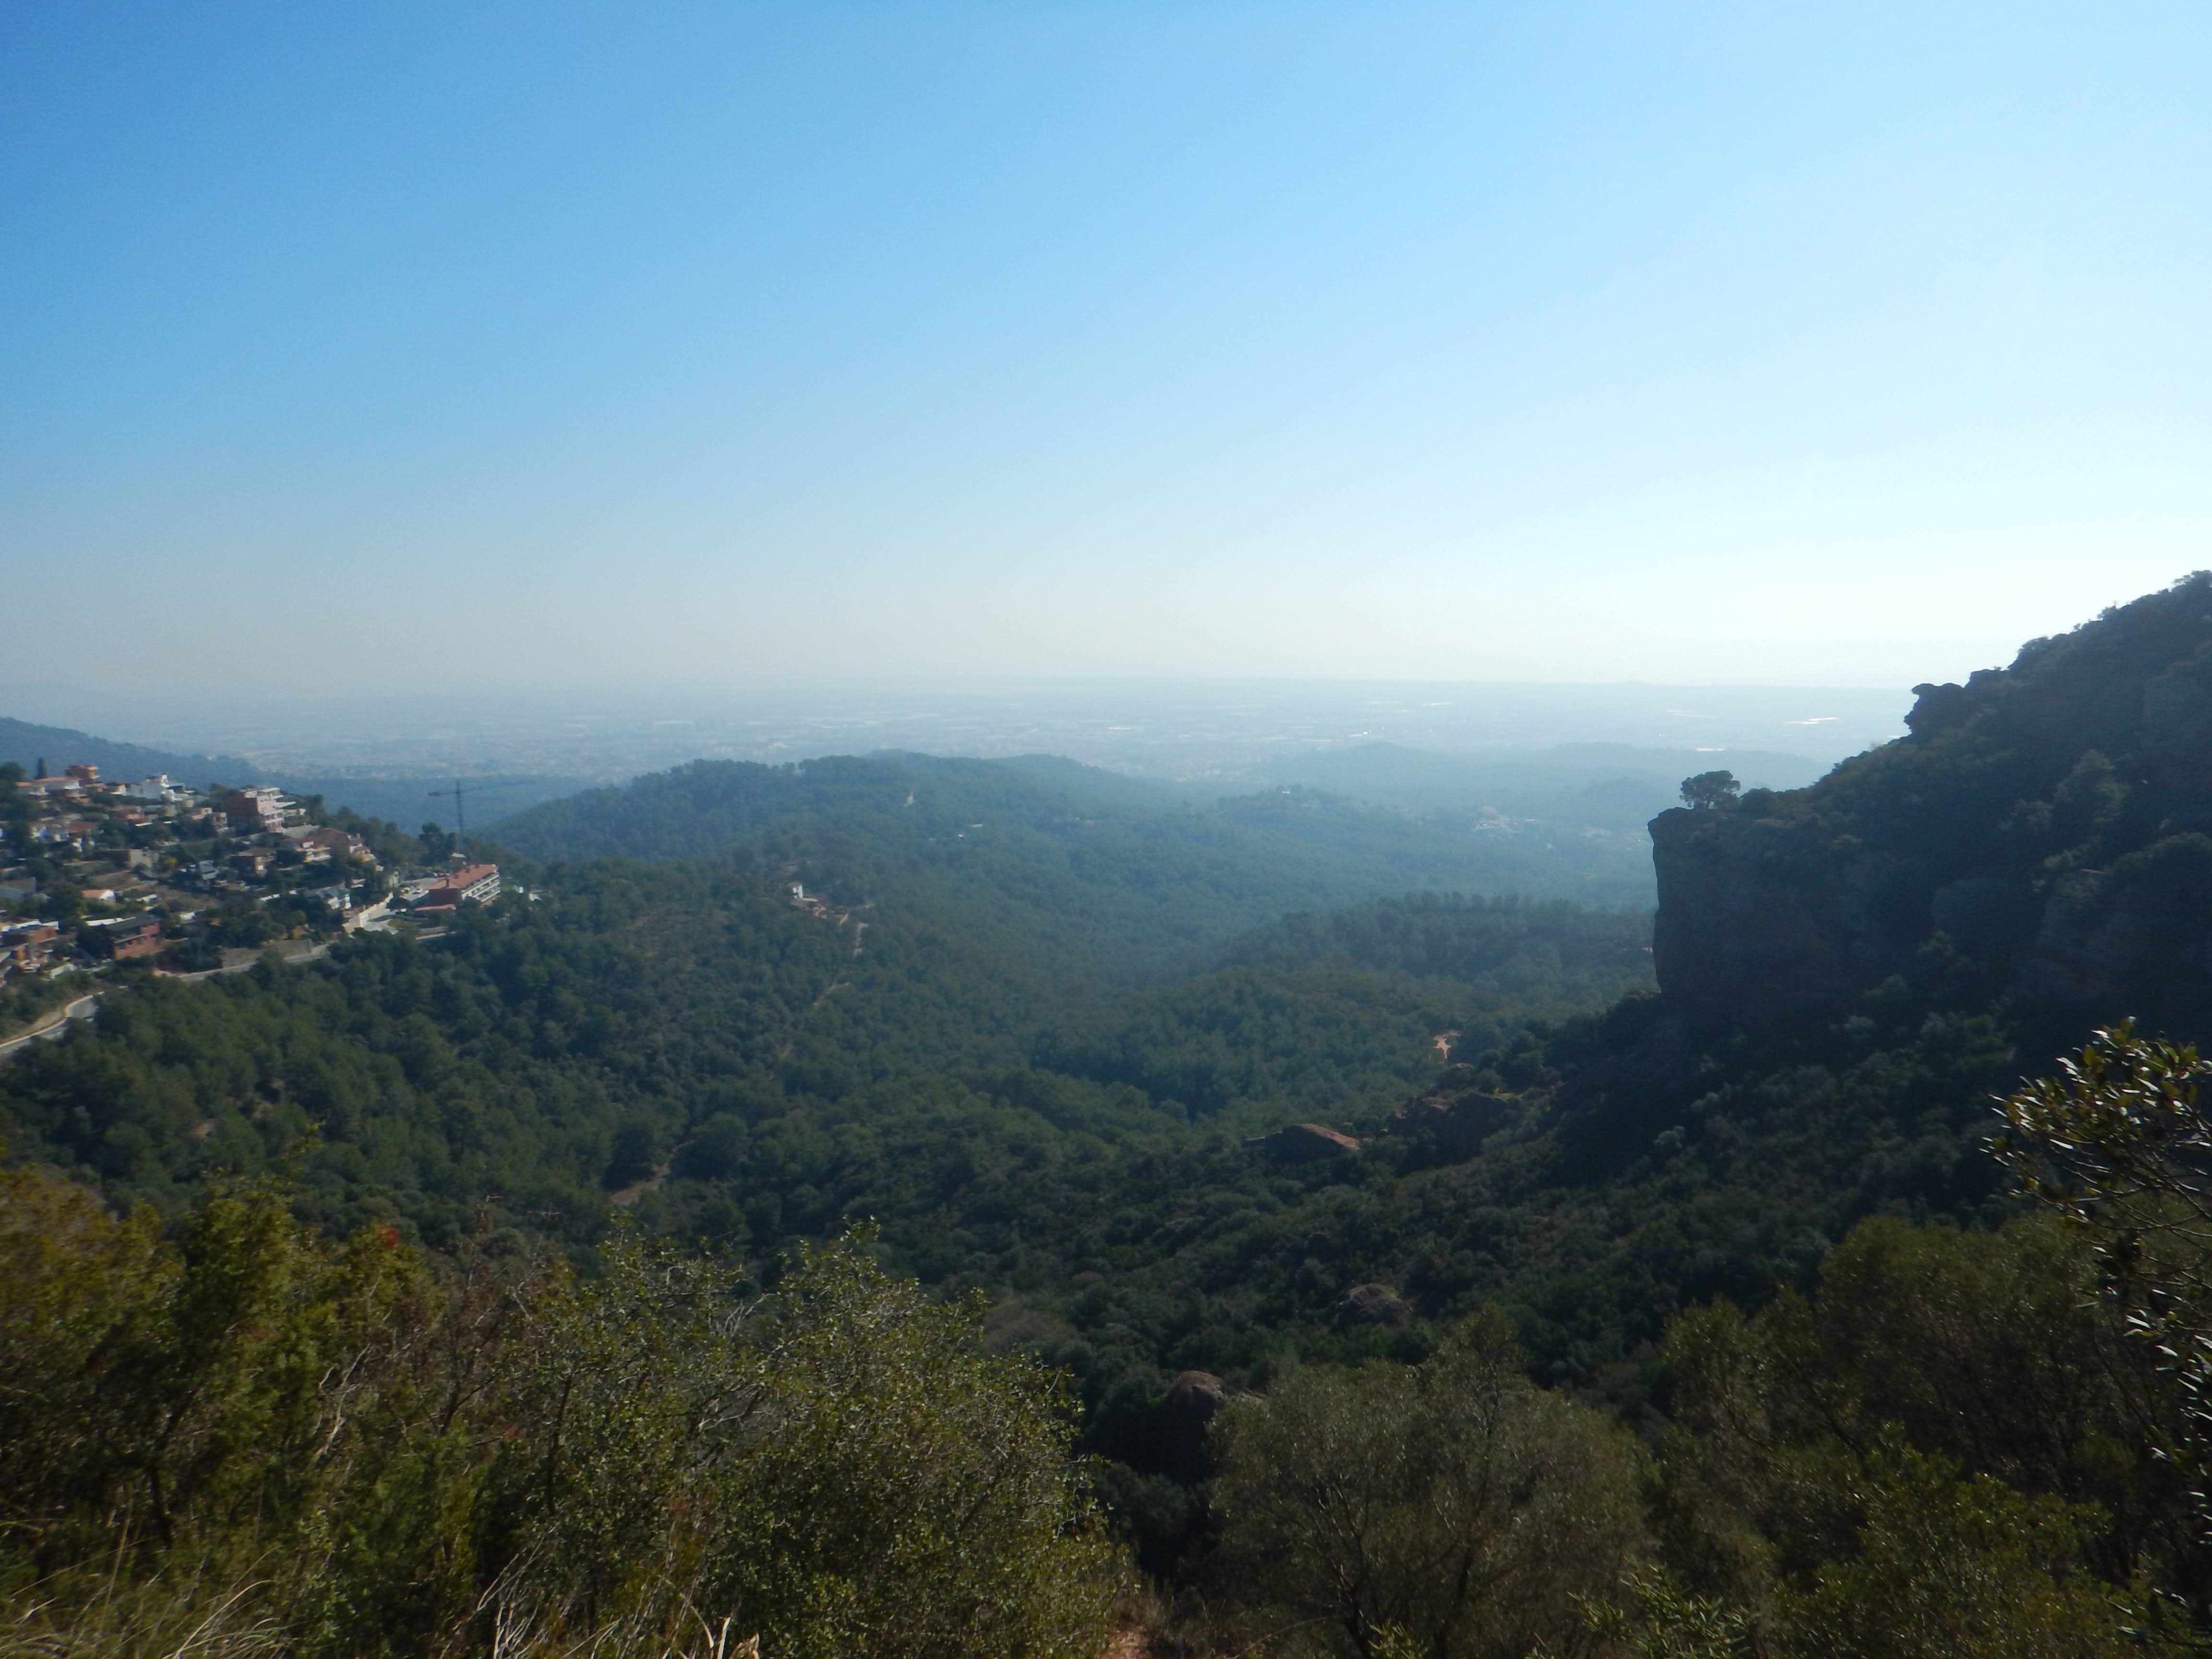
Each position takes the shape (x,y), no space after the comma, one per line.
(154,1621)
(166,1620)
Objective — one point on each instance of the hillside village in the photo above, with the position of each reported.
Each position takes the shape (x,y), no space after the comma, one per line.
(96,872)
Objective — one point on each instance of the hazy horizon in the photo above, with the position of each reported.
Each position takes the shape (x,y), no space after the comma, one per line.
(1241,733)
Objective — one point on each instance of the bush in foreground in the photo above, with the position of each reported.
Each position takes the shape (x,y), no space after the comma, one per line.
(284,1443)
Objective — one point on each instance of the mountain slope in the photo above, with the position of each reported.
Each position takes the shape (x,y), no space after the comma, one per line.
(2045,831)
(59,746)
(1059,850)
(1717,1138)
(404,800)
(1040,1068)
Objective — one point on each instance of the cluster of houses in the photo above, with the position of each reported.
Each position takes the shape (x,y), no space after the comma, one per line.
(468,884)
(96,871)
(814,904)
(27,948)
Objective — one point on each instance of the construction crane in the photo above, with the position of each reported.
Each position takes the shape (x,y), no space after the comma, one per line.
(461,801)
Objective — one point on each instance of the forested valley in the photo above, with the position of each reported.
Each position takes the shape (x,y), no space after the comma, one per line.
(899,1205)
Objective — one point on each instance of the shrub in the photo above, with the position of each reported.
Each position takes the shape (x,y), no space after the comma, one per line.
(1451,1505)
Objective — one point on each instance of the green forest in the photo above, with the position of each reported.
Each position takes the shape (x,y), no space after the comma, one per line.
(897,1205)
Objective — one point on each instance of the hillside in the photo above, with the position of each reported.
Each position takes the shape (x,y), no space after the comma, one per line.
(402,799)
(776,1073)
(1056,839)
(2042,832)
(1046,1010)
(26,744)
(1710,1140)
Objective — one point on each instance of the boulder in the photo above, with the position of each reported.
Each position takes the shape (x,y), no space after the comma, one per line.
(1194,1395)
(1455,1120)
(1372,1305)
(1304,1143)
(1175,1434)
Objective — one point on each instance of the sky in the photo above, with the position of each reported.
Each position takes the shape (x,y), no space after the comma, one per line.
(410,348)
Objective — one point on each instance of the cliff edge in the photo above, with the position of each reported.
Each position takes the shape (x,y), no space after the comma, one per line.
(2043,832)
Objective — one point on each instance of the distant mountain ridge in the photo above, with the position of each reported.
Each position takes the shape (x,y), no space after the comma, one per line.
(406,800)
(1610,786)
(1038,830)
(59,746)
(1615,787)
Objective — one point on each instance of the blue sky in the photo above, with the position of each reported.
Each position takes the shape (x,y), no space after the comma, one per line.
(534,344)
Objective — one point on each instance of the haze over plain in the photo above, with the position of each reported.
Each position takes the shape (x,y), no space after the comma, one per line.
(421,350)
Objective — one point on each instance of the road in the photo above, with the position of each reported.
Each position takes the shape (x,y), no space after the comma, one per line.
(86,1006)
(83,1008)
(252,959)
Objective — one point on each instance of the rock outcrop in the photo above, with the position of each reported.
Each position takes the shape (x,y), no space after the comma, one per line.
(2044,832)
(1178,1422)
(1454,1116)
(1372,1305)
(1756,912)
(1304,1143)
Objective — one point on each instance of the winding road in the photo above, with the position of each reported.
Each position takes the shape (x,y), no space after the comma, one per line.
(86,1006)
(83,1008)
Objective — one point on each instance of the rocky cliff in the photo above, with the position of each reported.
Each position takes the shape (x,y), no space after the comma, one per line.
(2044,832)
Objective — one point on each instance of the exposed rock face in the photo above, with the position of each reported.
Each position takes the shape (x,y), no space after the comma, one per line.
(2044,833)
(1455,1116)
(1195,1394)
(1304,1143)
(1372,1305)
(2103,932)
(1178,1423)
(1757,912)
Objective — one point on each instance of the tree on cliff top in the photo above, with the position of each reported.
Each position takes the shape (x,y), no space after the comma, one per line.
(1711,789)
